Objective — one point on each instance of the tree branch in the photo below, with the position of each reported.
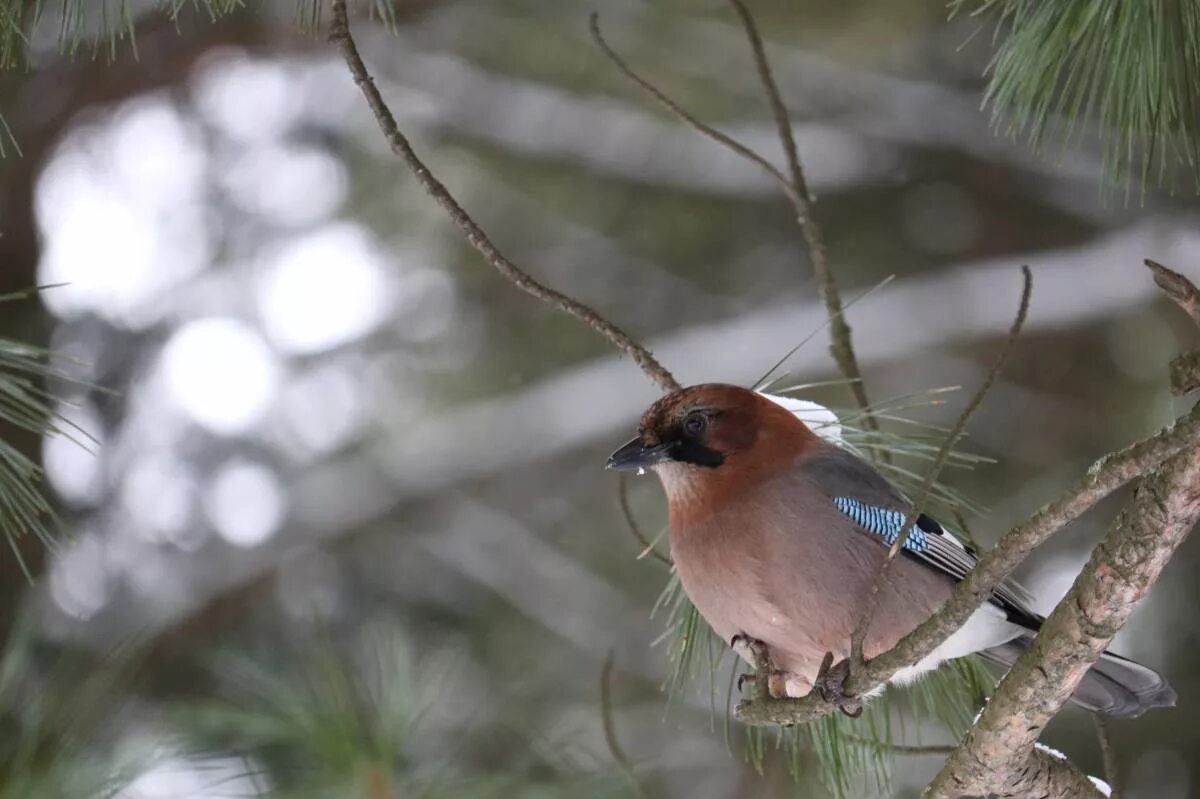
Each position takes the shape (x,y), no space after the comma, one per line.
(703,128)
(1044,775)
(340,36)
(1184,369)
(1122,568)
(794,187)
(1185,373)
(840,346)
(1104,477)
(610,729)
(858,637)
(998,752)
(1181,290)
(634,528)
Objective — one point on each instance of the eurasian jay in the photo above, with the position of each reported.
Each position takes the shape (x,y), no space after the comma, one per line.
(777,536)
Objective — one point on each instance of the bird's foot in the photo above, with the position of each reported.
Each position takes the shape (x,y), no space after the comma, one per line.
(769,682)
(831,684)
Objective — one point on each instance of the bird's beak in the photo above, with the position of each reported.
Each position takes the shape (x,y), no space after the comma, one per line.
(636,455)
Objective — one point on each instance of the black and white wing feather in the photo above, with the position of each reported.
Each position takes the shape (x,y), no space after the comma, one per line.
(876,508)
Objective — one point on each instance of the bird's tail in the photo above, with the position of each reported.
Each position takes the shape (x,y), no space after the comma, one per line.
(1113,686)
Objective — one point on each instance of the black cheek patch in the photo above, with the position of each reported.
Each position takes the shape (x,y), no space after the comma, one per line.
(692,452)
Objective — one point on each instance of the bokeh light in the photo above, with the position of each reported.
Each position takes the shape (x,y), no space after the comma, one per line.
(245,503)
(221,373)
(323,289)
(119,208)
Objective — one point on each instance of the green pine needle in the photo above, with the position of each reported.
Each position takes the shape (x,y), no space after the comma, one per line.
(319,714)
(1132,69)
(8,139)
(55,715)
(27,405)
(91,28)
(324,718)
(311,12)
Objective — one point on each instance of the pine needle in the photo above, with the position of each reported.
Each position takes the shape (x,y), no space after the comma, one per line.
(1131,70)
(90,28)
(56,717)
(26,405)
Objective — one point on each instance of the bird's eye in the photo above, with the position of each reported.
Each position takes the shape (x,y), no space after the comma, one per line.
(694,425)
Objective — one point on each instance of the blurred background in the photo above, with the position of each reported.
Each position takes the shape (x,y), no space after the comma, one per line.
(344,483)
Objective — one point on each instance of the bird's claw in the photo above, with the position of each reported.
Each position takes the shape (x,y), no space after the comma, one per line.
(768,680)
(743,678)
(750,649)
(831,683)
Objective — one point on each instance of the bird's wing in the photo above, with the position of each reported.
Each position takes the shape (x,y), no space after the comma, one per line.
(856,489)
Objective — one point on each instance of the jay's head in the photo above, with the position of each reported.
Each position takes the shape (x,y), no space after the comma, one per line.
(710,434)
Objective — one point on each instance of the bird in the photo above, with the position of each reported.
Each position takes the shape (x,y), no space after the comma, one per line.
(777,535)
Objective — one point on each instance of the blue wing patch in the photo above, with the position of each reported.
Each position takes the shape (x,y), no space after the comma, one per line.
(882,522)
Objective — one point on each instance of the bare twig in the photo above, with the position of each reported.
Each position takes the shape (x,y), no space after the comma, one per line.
(783,121)
(794,187)
(340,36)
(1178,288)
(610,730)
(993,756)
(859,635)
(840,346)
(667,102)
(1184,369)
(634,528)
(1109,754)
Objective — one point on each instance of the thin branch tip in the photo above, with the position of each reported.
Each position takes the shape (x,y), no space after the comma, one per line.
(858,636)
(1178,287)
(1184,370)
(794,187)
(667,102)
(610,728)
(341,36)
(841,346)
(647,546)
